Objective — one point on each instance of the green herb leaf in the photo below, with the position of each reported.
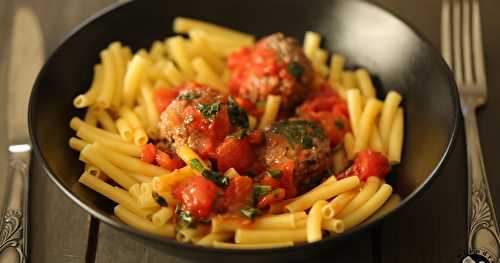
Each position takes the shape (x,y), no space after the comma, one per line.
(219,179)
(299,132)
(250,212)
(295,69)
(188,96)
(260,191)
(186,219)
(159,199)
(339,123)
(276,174)
(237,115)
(197,165)
(209,110)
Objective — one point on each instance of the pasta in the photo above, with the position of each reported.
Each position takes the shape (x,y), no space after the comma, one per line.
(271,111)
(314,219)
(211,138)
(129,218)
(245,236)
(108,81)
(396,138)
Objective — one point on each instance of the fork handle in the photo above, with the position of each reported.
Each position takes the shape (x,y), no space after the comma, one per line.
(14,217)
(483,231)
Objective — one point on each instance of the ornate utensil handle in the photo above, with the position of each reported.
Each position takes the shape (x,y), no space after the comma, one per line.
(14,218)
(483,231)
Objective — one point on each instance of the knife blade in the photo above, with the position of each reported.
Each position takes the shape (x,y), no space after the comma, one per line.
(26,55)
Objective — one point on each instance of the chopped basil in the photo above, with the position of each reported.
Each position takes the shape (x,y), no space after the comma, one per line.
(209,110)
(250,212)
(276,174)
(237,115)
(339,123)
(216,177)
(219,179)
(188,96)
(159,199)
(197,165)
(260,191)
(186,219)
(295,69)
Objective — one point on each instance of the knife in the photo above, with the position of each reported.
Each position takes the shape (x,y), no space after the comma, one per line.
(26,55)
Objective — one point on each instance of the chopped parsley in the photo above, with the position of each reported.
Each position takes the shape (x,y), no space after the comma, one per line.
(188,96)
(276,174)
(250,212)
(237,115)
(300,132)
(209,110)
(339,123)
(159,199)
(295,69)
(216,177)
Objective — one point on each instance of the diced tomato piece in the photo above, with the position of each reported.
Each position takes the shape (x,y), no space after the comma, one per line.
(255,137)
(165,161)
(287,180)
(148,153)
(275,196)
(235,153)
(329,109)
(163,97)
(238,194)
(368,163)
(196,195)
(270,181)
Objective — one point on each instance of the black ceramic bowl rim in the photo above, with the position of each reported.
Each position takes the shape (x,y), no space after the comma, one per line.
(123,227)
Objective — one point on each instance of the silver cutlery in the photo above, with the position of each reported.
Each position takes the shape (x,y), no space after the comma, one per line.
(27,53)
(462,49)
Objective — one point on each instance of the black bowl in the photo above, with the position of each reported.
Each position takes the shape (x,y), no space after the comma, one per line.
(367,35)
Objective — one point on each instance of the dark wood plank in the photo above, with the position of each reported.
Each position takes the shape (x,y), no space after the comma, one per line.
(55,236)
(433,229)
(4,32)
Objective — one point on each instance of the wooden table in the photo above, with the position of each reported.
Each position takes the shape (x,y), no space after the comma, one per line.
(431,229)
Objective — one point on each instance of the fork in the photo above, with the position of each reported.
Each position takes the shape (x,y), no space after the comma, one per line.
(462,49)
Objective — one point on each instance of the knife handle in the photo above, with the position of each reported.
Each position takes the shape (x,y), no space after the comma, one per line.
(14,218)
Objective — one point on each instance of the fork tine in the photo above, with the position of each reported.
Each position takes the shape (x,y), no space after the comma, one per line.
(446,32)
(466,41)
(477,44)
(457,46)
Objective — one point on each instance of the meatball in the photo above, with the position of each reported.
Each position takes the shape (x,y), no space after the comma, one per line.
(275,65)
(201,118)
(299,141)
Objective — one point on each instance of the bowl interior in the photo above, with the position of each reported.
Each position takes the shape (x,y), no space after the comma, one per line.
(367,35)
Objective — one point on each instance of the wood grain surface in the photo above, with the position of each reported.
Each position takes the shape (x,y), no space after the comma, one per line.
(431,229)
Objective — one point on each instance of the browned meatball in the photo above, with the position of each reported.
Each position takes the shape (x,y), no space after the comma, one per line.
(201,118)
(301,141)
(275,65)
